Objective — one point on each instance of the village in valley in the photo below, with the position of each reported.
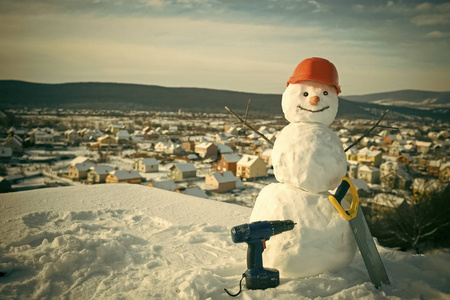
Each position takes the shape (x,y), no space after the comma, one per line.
(208,155)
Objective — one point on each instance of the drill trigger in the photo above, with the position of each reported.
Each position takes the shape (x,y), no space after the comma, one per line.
(264,243)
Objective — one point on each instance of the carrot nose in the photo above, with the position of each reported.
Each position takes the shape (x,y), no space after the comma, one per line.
(314,100)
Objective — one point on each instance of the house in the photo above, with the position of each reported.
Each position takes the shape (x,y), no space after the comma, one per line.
(15,143)
(352,169)
(181,171)
(224,149)
(251,166)
(98,173)
(5,153)
(170,148)
(164,184)
(105,141)
(369,174)
(423,147)
(5,185)
(124,176)
(193,191)
(78,171)
(115,128)
(404,158)
(444,172)
(189,146)
(71,136)
(394,175)
(433,167)
(221,182)
(146,165)
(207,150)
(123,136)
(266,156)
(228,162)
(369,157)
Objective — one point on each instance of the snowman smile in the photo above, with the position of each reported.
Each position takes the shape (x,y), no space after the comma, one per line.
(314,111)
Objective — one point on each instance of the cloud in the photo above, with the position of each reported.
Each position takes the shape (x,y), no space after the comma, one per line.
(437,34)
(435,14)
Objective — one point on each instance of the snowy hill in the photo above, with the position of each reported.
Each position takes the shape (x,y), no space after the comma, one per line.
(120,241)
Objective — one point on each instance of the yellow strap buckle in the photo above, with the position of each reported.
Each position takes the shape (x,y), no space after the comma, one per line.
(350,213)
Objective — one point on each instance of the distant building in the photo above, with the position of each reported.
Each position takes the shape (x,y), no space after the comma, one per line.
(369,157)
(147,165)
(193,191)
(124,176)
(79,171)
(15,143)
(369,174)
(164,184)
(221,182)
(251,166)
(228,162)
(206,150)
(180,171)
(98,173)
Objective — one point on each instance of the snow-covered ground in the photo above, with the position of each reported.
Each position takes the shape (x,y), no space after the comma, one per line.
(122,241)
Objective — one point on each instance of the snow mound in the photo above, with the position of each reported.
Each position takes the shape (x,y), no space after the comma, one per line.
(122,241)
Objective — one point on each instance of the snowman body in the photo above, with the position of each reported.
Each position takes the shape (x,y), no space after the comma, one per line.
(308,161)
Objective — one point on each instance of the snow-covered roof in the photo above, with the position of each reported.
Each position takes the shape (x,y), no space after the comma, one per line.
(195,191)
(150,161)
(165,184)
(224,148)
(125,174)
(445,165)
(83,166)
(231,157)
(185,167)
(387,200)
(366,168)
(360,184)
(367,151)
(423,144)
(123,134)
(204,145)
(247,160)
(79,160)
(223,177)
(102,169)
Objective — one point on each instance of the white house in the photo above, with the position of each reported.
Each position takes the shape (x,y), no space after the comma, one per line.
(146,165)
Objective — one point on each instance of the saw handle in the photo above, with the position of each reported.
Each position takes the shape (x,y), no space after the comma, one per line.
(341,191)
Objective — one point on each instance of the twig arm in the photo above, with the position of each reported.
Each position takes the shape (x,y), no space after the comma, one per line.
(244,122)
(367,132)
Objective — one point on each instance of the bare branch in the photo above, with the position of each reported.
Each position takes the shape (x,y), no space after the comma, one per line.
(248,106)
(249,126)
(367,132)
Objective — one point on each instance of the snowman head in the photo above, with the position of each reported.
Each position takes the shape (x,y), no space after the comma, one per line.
(310,102)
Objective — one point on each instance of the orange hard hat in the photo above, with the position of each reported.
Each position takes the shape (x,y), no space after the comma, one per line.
(316,69)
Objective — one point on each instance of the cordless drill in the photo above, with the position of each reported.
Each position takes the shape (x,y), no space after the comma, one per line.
(255,235)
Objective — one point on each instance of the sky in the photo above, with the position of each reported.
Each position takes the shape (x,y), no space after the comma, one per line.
(249,46)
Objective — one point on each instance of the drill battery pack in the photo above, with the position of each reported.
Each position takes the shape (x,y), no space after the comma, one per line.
(260,279)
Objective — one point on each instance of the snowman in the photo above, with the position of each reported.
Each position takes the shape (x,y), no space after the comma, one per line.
(308,161)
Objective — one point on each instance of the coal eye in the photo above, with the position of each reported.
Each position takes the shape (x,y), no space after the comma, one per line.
(305,94)
(325,93)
